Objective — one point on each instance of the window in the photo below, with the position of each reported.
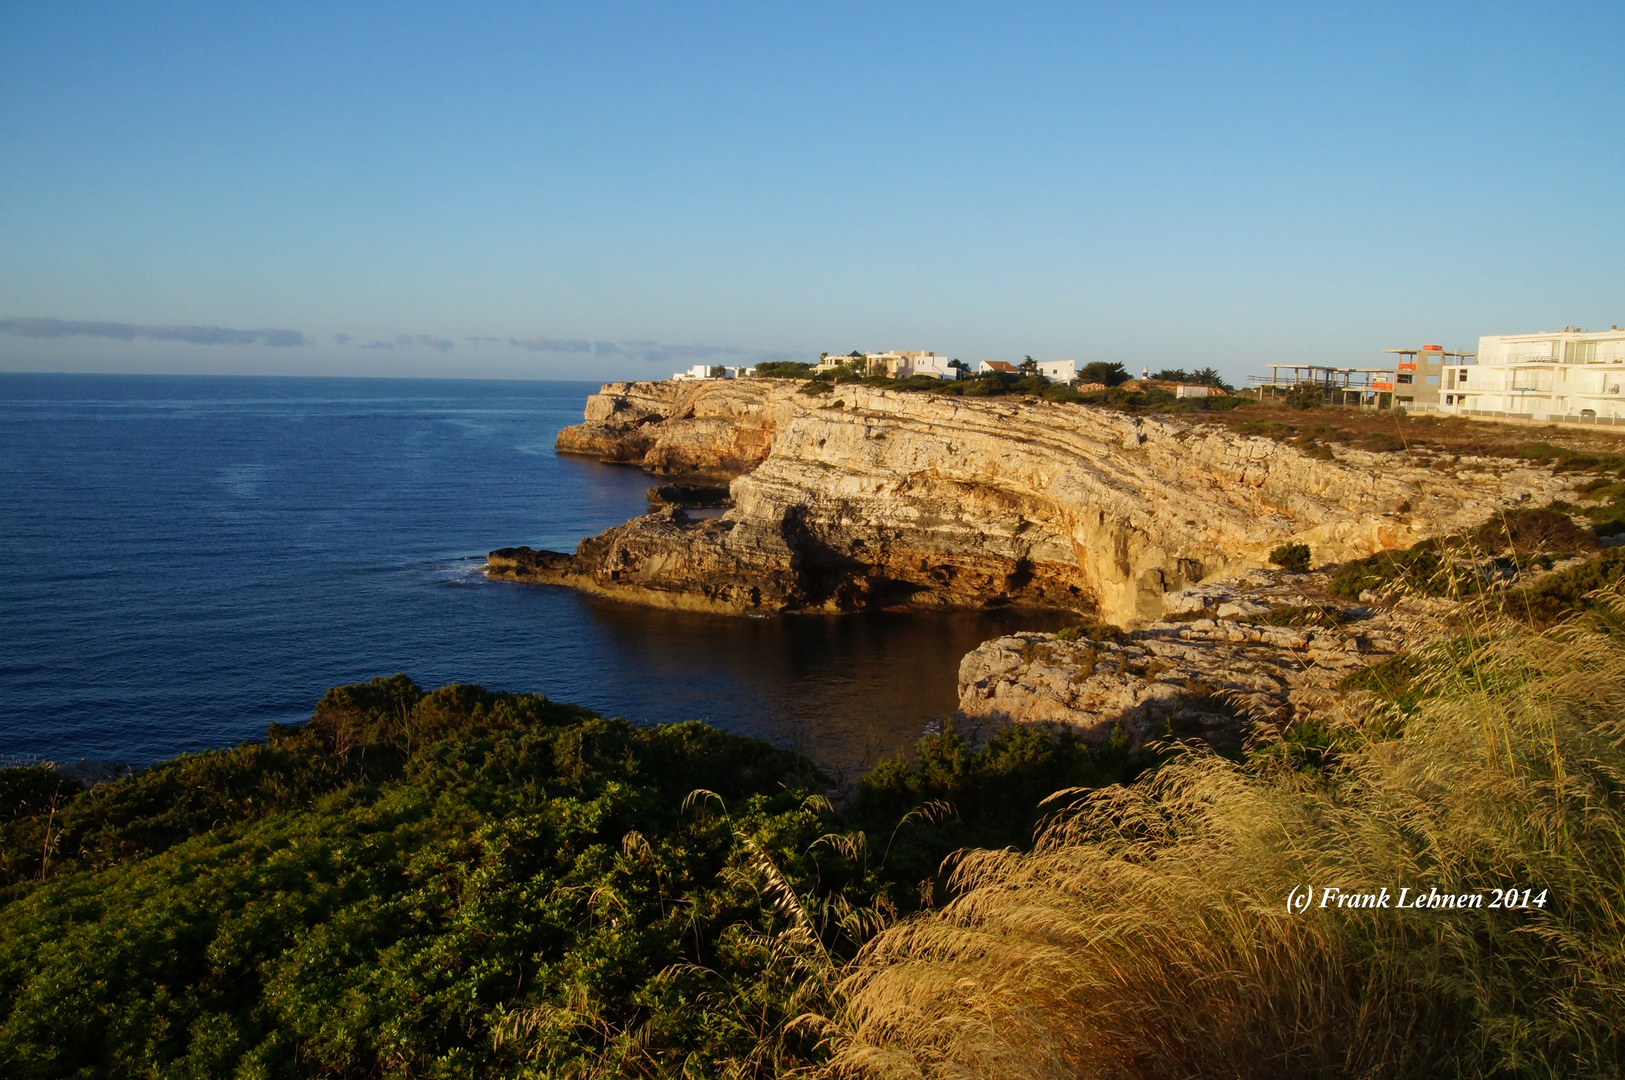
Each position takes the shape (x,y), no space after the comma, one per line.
(1433,380)
(1461,379)
(1404,378)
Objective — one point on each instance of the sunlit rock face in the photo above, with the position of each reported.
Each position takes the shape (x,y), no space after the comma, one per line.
(1258,647)
(867,497)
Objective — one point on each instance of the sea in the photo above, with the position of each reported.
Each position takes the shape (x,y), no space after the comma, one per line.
(189,558)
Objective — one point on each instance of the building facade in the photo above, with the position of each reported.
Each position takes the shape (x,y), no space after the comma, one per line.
(897,365)
(903,365)
(708,371)
(1058,370)
(1565,375)
(1417,381)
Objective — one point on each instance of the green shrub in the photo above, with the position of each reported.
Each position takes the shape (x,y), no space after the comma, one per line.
(1304,397)
(1443,567)
(1559,596)
(782,369)
(1293,557)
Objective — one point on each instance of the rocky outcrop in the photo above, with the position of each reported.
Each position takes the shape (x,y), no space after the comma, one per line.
(688,495)
(1264,646)
(871,497)
(709,429)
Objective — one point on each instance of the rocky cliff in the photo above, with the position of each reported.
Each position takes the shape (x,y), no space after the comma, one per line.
(872,497)
(1261,646)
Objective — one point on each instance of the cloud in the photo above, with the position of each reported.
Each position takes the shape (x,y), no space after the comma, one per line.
(539,344)
(477,340)
(652,352)
(410,341)
(342,339)
(407,341)
(193,335)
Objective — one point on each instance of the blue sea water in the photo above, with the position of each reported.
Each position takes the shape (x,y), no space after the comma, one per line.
(189,558)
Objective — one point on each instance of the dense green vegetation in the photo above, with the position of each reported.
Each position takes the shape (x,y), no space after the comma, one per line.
(782,369)
(1467,564)
(465,883)
(1001,384)
(1206,376)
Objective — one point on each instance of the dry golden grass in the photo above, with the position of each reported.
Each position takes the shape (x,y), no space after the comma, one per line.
(1147,934)
(1431,433)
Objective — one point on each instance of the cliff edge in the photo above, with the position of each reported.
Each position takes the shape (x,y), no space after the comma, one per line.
(873,497)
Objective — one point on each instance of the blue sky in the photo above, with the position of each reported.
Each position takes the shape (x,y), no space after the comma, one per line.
(621,189)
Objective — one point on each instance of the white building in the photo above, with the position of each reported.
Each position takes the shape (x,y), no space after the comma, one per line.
(1058,370)
(897,365)
(703,371)
(903,365)
(1563,375)
(1192,390)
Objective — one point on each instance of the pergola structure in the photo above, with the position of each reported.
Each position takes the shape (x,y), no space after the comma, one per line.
(1364,385)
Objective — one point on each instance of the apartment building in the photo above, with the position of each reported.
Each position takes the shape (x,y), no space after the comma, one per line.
(1570,374)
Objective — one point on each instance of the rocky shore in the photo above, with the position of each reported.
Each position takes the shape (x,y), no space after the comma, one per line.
(871,497)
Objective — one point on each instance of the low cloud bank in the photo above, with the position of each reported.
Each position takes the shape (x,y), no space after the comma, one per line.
(652,352)
(192,335)
(409,341)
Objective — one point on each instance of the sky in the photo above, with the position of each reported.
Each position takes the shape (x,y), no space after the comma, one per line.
(615,190)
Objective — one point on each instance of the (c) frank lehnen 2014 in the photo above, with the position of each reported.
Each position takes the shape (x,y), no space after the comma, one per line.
(1302,898)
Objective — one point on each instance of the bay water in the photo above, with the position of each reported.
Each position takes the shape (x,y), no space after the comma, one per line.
(189,558)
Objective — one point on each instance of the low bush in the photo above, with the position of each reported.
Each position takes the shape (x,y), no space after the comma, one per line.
(1558,596)
(782,369)
(1304,397)
(1450,566)
(1293,557)
(1322,615)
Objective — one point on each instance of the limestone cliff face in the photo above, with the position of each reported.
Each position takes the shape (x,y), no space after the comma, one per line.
(873,497)
(717,428)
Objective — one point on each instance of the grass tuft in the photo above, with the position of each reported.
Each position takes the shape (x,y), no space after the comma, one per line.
(1147,934)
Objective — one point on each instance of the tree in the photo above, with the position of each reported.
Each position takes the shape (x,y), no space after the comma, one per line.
(1029,366)
(1171,374)
(1100,371)
(1210,376)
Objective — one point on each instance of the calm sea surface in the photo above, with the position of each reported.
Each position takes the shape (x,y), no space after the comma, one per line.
(189,558)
